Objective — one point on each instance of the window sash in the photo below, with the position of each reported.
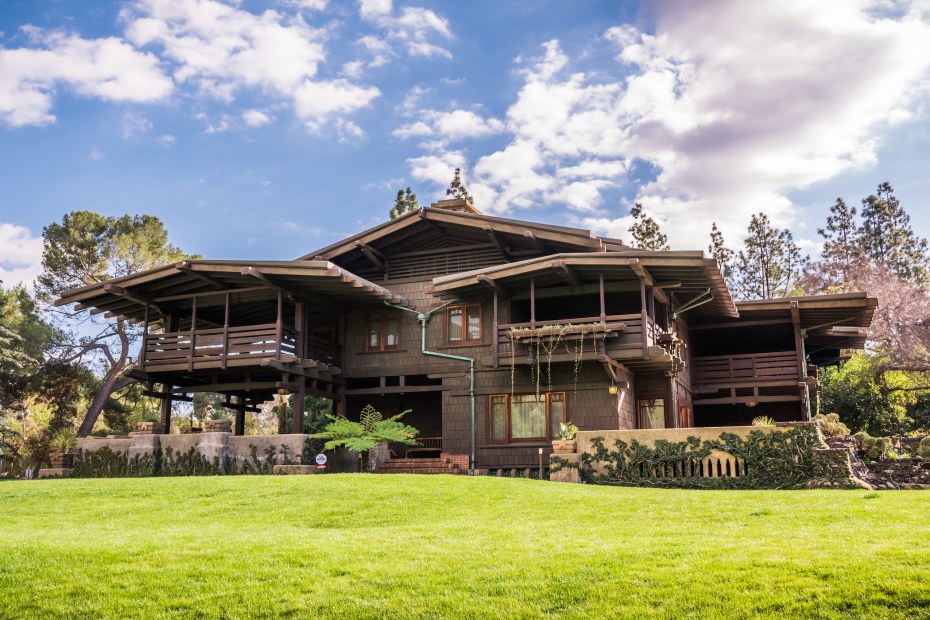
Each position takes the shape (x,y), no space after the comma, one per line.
(383,333)
(464,324)
(524,418)
(652,413)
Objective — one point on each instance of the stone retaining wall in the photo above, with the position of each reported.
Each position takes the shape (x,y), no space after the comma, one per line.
(911,473)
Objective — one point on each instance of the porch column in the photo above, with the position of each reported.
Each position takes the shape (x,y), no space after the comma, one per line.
(166,408)
(299,405)
(240,416)
(672,401)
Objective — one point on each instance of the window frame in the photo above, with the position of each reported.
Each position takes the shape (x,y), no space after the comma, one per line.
(639,412)
(380,320)
(508,413)
(465,340)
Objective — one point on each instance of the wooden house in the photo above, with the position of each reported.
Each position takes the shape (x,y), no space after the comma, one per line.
(493,331)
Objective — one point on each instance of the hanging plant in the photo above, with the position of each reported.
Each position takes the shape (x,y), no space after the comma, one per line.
(546,340)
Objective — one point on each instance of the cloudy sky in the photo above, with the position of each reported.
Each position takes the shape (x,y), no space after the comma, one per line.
(268,129)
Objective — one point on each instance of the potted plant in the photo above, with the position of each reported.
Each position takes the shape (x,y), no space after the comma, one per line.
(564,442)
(62,449)
(150,424)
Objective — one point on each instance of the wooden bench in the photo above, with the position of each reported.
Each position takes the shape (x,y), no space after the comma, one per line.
(425,444)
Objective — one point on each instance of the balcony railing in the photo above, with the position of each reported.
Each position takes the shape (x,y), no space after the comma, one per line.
(778,366)
(621,334)
(218,347)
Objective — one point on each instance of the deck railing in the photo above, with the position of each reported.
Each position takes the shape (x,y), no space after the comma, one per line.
(619,331)
(781,365)
(218,346)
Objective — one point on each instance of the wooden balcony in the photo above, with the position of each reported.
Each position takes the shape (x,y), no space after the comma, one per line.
(623,336)
(218,347)
(752,368)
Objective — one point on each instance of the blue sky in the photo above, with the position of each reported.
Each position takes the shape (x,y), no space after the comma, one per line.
(268,129)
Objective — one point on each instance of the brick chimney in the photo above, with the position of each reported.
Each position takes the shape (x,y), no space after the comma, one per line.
(456,204)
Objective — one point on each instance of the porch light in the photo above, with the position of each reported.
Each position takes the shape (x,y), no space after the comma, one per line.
(285,392)
(751,404)
(612,389)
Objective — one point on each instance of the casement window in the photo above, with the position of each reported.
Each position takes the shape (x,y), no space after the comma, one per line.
(463,324)
(652,413)
(525,417)
(383,332)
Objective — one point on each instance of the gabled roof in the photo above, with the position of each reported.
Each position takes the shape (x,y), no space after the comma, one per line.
(686,274)
(419,225)
(164,286)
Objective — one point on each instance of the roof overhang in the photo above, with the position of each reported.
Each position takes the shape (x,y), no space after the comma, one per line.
(159,289)
(687,274)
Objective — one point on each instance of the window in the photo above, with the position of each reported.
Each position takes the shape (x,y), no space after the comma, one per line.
(464,324)
(383,333)
(652,413)
(525,417)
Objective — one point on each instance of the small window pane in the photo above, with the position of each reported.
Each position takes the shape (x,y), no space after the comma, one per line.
(652,413)
(391,333)
(474,323)
(498,418)
(455,323)
(374,335)
(528,416)
(556,412)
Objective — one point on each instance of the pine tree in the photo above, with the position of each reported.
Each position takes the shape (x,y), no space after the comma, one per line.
(646,232)
(771,263)
(406,202)
(887,237)
(457,188)
(719,250)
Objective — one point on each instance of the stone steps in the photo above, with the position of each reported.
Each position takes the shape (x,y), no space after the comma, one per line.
(420,466)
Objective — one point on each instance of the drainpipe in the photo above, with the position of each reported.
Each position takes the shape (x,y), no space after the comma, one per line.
(423,318)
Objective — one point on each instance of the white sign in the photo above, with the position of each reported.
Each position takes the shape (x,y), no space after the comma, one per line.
(321,459)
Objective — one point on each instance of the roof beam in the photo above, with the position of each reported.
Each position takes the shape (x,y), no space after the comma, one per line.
(494,285)
(375,257)
(119,291)
(570,277)
(538,245)
(186,268)
(496,239)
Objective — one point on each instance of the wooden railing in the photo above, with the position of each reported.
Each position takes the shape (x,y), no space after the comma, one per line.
(217,347)
(619,331)
(781,365)
(324,351)
(426,444)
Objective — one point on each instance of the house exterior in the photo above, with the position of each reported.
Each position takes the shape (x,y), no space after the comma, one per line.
(493,331)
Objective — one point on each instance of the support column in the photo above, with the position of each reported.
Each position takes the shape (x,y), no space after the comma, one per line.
(239,428)
(299,405)
(166,409)
(672,400)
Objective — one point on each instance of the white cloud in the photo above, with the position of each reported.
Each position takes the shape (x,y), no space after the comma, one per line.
(106,68)
(450,126)
(20,255)
(315,101)
(167,140)
(410,28)
(95,154)
(734,105)
(135,124)
(255,118)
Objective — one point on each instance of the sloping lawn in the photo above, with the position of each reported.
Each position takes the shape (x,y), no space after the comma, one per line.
(364,546)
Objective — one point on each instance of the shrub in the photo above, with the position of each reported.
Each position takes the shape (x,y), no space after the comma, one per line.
(830,425)
(63,441)
(763,420)
(864,441)
(923,448)
(567,431)
(880,448)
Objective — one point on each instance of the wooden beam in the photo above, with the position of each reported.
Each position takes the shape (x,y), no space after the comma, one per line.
(375,257)
(627,286)
(185,267)
(495,238)
(728,325)
(538,245)
(494,285)
(571,278)
(395,389)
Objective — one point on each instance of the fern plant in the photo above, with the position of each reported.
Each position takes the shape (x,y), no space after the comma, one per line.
(763,420)
(362,436)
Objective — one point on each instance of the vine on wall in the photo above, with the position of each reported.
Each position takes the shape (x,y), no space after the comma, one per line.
(545,341)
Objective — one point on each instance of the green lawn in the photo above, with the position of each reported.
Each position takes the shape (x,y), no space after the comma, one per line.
(364,546)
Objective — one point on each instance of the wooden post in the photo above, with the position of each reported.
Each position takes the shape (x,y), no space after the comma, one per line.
(672,400)
(532,303)
(226,332)
(300,346)
(494,330)
(279,324)
(240,416)
(600,279)
(166,408)
(340,401)
(299,405)
(145,337)
(644,318)
(190,358)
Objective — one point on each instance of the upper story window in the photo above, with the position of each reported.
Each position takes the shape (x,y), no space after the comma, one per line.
(383,332)
(464,324)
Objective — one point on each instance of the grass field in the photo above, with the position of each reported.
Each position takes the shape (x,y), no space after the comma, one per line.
(364,546)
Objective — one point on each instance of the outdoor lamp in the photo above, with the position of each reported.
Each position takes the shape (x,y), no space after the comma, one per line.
(612,389)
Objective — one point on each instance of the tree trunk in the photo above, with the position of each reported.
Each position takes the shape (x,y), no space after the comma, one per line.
(112,382)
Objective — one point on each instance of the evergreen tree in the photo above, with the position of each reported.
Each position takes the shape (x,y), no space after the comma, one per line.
(719,250)
(842,245)
(646,232)
(887,237)
(770,264)
(406,202)
(457,188)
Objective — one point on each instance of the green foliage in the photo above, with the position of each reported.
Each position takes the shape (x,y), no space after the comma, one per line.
(887,237)
(567,431)
(646,232)
(878,448)
(457,188)
(406,202)
(763,420)
(863,441)
(63,441)
(190,463)
(830,425)
(363,435)
(107,463)
(781,459)
(770,264)
(718,250)
(923,448)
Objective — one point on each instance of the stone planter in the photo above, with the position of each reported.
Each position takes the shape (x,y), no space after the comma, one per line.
(217,426)
(61,460)
(564,446)
(147,428)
